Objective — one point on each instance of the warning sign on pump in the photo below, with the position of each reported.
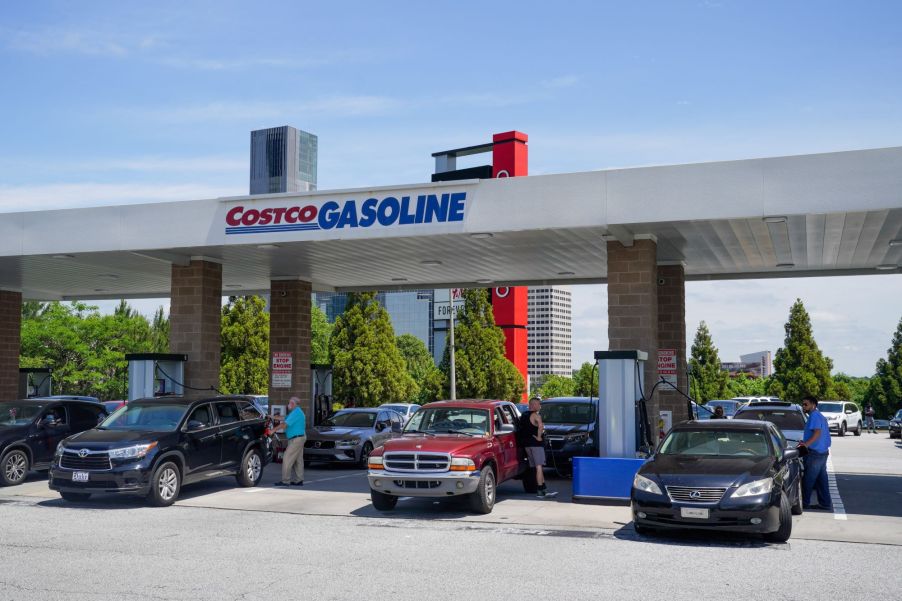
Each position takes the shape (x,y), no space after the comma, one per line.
(667,365)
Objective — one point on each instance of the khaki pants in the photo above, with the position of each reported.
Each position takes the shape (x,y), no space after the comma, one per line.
(293,460)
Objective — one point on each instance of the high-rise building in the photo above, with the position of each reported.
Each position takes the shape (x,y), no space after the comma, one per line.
(765,363)
(550,335)
(283,159)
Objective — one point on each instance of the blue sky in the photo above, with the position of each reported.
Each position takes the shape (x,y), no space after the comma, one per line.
(109,102)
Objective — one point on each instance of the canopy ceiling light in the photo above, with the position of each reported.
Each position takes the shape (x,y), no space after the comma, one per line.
(482,235)
(775,219)
(887,267)
(430,262)
(896,242)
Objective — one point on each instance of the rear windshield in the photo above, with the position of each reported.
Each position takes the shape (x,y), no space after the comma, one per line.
(567,413)
(729,407)
(352,419)
(716,443)
(159,417)
(18,414)
(785,420)
(829,407)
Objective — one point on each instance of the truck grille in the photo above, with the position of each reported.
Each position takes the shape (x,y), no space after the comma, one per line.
(554,442)
(689,494)
(416,462)
(418,483)
(94,461)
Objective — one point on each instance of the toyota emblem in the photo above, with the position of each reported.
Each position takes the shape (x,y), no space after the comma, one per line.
(695,495)
(317,444)
(83,453)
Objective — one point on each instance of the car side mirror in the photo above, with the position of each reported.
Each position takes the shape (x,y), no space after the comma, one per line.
(848,413)
(791,454)
(193,425)
(506,429)
(396,428)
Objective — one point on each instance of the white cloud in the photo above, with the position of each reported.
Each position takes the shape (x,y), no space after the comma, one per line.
(51,41)
(68,196)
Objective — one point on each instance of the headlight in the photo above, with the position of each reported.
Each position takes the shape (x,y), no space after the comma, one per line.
(137,451)
(374,463)
(462,464)
(752,489)
(348,442)
(59,450)
(644,484)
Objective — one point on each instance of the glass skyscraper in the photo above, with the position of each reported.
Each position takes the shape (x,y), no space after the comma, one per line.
(283,159)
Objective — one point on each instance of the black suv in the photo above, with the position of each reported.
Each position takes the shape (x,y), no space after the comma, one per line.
(151,447)
(30,429)
(570,430)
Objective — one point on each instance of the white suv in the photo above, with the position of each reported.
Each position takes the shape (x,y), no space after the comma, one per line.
(842,416)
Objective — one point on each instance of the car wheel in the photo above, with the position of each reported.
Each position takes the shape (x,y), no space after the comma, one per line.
(14,467)
(251,469)
(483,500)
(382,501)
(858,429)
(165,485)
(842,429)
(365,454)
(785,529)
(75,497)
(530,484)
(797,507)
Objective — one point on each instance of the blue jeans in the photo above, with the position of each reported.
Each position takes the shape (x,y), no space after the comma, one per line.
(815,479)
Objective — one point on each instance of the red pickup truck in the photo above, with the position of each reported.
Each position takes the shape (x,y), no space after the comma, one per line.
(451,448)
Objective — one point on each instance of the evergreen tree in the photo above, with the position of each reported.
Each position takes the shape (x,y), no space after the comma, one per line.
(709,381)
(481,367)
(320,332)
(367,367)
(422,369)
(244,359)
(885,388)
(800,368)
(585,380)
(159,332)
(557,386)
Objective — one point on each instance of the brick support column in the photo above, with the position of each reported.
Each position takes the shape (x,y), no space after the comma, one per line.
(10,333)
(289,332)
(633,306)
(672,335)
(195,321)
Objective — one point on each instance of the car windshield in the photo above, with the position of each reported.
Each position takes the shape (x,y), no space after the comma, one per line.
(829,407)
(567,413)
(785,420)
(402,409)
(729,407)
(715,443)
(156,417)
(18,414)
(352,419)
(898,414)
(455,420)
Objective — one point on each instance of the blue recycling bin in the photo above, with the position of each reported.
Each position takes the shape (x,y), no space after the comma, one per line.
(604,478)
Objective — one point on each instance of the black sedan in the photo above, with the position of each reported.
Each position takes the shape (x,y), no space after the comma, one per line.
(736,476)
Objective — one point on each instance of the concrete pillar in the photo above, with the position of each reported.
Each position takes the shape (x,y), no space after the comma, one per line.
(672,335)
(10,333)
(195,321)
(289,344)
(633,307)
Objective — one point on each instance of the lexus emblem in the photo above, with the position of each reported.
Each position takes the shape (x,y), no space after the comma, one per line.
(317,444)
(695,495)
(83,453)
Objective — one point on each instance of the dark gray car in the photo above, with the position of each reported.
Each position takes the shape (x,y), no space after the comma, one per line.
(350,435)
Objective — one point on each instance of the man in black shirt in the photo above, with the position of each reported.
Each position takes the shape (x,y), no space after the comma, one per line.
(533,440)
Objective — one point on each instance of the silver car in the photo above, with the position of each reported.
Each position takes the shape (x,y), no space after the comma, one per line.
(350,435)
(405,409)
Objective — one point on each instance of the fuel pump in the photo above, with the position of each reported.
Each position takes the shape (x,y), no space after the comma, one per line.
(35,382)
(155,374)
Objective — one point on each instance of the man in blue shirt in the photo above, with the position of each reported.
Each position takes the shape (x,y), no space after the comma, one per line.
(295,428)
(817,440)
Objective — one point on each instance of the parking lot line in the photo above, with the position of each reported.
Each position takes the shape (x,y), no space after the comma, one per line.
(335,478)
(839,510)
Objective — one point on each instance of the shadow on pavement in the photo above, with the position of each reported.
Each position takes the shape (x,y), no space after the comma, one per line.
(871,494)
(696,538)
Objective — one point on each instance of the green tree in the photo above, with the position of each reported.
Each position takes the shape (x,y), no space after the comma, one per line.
(422,369)
(858,387)
(244,358)
(367,367)
(742,385)
(320,332)
(709,381)
(585,380)
(481,368)
(885,388)
(557,386)
(159,332)
(800,368)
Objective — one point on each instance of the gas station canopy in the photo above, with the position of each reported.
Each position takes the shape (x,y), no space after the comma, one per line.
(825,214)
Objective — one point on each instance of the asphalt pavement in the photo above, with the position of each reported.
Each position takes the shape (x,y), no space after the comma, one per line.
(324,541)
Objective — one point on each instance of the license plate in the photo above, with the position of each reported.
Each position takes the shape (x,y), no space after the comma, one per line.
(692,512)
(80,476)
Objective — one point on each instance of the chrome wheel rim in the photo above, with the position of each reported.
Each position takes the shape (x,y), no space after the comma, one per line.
(15,466)
(490,488)
(254,467)
(168,484)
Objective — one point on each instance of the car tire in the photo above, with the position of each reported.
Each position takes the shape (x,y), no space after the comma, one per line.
(365,454)
(858,429)
(251,470)
(75,497)
(14,467)
(797,507)
(165,485)
(483,500)
(783,532)
(530,484)
(842,429)
(382,501)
